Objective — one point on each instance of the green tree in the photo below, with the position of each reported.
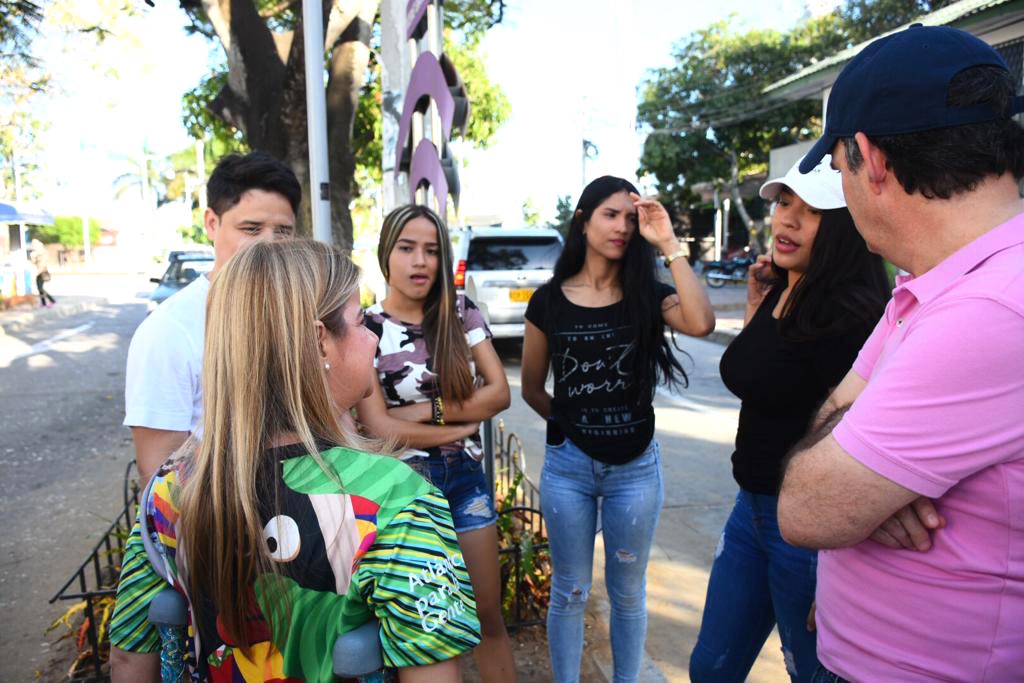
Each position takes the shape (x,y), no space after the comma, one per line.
(709,121)
(489,107)
(21,79)
(563,215)
(706,114)
(19,21)
(862,20)
(531,214)
(258,100)
(67,231)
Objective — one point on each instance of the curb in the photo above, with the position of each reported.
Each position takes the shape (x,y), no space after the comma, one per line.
(723,337)
(599,650)
(19,321)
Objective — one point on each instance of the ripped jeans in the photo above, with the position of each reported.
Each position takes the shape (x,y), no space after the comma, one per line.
(461,479)
(572,485)
(757,581)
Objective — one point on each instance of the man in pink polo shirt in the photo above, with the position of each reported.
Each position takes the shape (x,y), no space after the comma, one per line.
(928,427)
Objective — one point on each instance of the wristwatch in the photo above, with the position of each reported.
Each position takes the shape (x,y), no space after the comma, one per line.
(673,256)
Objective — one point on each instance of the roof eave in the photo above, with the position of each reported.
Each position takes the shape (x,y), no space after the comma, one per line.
(815,79)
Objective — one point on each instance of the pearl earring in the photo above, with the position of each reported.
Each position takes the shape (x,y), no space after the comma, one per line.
(327,366)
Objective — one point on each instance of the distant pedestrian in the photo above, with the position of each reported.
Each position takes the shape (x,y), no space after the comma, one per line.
(599,324)
(810,306)
(919,124)
(42,277)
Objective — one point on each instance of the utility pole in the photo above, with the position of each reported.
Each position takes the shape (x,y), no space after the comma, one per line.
(718,226)
(590,151)
(201,172)
(87,198)
(726,210)
(316,112)
(144,178)
(17,199)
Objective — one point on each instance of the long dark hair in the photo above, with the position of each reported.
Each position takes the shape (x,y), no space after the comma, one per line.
(652,361)
(845,286)
(443,329)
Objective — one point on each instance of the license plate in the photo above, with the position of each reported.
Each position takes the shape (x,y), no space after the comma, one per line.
(520,295)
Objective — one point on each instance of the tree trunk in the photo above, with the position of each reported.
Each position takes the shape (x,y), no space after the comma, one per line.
(349,59)
(265,96)
(753,229)
(293,124)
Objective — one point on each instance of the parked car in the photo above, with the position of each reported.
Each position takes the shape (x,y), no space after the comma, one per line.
(182,269)
(501,268)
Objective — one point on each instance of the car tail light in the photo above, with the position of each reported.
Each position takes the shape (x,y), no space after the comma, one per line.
(460,274)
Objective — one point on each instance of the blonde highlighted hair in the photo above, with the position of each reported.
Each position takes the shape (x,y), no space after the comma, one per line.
(263,379)
(443,328)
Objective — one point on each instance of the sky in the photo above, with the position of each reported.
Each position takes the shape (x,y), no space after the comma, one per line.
(571,71)
(570,68)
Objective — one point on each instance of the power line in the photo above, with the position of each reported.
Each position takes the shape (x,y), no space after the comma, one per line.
(717,123)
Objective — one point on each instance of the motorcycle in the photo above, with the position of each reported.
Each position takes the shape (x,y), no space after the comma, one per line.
(717,273)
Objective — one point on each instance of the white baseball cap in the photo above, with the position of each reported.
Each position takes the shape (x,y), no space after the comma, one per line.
(821,187)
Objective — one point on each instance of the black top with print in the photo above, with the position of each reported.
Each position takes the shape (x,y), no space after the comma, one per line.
(590,351)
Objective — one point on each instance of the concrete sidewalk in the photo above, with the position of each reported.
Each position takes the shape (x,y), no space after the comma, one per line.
(76,292)
(729,303)
(23,317)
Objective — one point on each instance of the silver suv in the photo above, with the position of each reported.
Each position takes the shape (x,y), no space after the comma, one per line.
(501,268)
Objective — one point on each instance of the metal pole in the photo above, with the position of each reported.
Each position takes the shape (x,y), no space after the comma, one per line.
(726,210)
(86,219)
(17,200)
(583,167)
(86,198)
(718,226)
(143,177)
(316,119)
(489,453)
(201,172)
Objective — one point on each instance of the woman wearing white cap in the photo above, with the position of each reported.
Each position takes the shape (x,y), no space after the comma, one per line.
(810,307)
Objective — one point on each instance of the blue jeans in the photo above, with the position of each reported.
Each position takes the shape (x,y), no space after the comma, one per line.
(461,479)
(757,581)
(572,485)
(823,675)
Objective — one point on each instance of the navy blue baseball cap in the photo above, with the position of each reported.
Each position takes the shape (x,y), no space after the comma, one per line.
(898,85)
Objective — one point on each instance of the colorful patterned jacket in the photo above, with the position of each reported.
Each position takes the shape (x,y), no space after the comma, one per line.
(383,545)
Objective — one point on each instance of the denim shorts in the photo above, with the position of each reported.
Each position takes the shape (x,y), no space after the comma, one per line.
(461,479)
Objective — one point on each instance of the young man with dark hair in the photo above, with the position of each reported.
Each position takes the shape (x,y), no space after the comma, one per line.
(251,198)
(913,475)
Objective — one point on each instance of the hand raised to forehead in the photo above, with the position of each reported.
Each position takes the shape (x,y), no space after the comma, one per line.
(653,222)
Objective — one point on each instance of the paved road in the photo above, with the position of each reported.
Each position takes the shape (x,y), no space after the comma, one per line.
(62,455)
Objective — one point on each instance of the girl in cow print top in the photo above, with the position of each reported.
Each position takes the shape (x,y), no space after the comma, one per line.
(439,377)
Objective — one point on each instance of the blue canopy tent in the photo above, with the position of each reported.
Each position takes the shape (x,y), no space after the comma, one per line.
(20,212)
(17,279)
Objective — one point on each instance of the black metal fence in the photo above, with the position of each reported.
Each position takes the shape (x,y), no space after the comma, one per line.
(523,537)
(95,585)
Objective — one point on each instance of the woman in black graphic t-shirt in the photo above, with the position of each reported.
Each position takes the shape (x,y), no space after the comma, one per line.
(599,326)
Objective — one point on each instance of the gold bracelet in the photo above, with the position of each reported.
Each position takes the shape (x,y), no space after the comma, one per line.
(437,411)
(673,256)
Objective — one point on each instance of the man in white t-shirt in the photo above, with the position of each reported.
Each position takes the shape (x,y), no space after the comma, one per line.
(251,198)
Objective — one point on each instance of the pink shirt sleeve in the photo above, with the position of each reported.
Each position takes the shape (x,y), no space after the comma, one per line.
(872,348)
(947,402)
